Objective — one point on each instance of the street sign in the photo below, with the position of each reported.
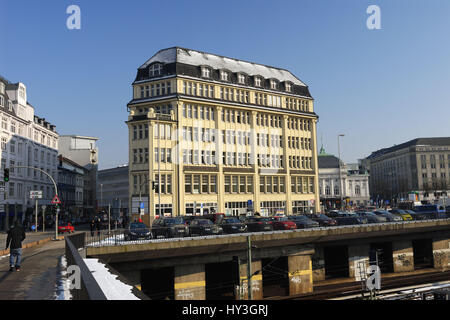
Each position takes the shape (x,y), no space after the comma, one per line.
(36,194)
(56,200)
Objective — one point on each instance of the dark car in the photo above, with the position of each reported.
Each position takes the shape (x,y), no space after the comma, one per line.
(258,224)
(214,217)
(232,225)
(324,220)
(372,217)
(303,222)
(169,227)
(204,227)
(351,220)
(136,231)
(282,223)
(188,219)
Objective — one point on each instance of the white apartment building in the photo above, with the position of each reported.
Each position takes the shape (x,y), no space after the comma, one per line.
(26,140)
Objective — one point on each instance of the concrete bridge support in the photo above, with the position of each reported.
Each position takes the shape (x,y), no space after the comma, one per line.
(403,255)
(300,274)
(257,283)
(318,264)
(358,260)
(441,253)
(189,282)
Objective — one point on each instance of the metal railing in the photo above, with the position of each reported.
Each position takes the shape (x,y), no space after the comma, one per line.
(115,237)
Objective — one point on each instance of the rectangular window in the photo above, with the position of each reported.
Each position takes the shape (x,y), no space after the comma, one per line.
(188,184)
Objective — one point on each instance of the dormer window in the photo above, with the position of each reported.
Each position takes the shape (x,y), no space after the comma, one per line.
(2,101)
(2,88)
(273,84)
(241,78)
(223,75)
(206,72)
(155,70)
(258,81)
(10,105)
(288,87)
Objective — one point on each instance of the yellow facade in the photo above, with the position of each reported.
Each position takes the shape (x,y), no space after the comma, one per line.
(220,150)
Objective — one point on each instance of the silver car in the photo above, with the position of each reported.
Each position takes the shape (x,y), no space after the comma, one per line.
(389,216)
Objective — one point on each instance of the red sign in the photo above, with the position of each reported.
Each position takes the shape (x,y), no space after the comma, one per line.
(56,200)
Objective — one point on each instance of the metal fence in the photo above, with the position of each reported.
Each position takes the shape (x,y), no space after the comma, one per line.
(115,237)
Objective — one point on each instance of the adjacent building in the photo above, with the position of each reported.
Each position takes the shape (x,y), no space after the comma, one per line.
(83,151)
(112,190)
(26,140)
(340,184)
(418,170)
(217,134)
(71,186)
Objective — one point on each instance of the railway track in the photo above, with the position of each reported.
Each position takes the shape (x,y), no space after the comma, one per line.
(355,288)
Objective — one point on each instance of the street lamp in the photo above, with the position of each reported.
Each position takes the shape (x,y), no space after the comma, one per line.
(340,173)
(101,196)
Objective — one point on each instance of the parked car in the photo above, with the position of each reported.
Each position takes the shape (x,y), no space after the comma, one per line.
(188,219)
(389,216)
(417,215)
(405,216)
(204,227)
(214,217)
(351,220)
(232,225)
(303,222)
(256,224)
(66,227)
(169,227)
(136,231)
(324,220)
(371,217)
(282,223)
(337,214)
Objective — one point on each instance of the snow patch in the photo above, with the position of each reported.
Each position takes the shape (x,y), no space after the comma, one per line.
(113,288)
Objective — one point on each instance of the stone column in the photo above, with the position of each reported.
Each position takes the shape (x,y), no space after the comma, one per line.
(358,260)
(403,256)
(189,282)
(318,264)
(257,283)
(441,253)
(300,274)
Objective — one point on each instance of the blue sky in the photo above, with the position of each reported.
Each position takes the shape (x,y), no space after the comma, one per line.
(378,87)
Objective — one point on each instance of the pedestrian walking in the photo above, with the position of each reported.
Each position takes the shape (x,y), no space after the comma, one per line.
(15,237)
(98,225)
(92,227)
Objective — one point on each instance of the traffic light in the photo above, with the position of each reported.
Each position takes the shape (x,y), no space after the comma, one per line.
(6,175)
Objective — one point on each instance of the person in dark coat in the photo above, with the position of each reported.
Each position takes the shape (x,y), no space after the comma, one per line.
(98,225)
(15,237)
(92,227)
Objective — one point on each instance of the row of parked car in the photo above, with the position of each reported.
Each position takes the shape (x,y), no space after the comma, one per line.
(218,224)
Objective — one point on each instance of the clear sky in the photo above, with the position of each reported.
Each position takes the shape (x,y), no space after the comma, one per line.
(378,87)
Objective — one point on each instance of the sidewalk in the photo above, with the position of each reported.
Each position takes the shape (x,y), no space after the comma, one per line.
(32,239)
(39,276)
